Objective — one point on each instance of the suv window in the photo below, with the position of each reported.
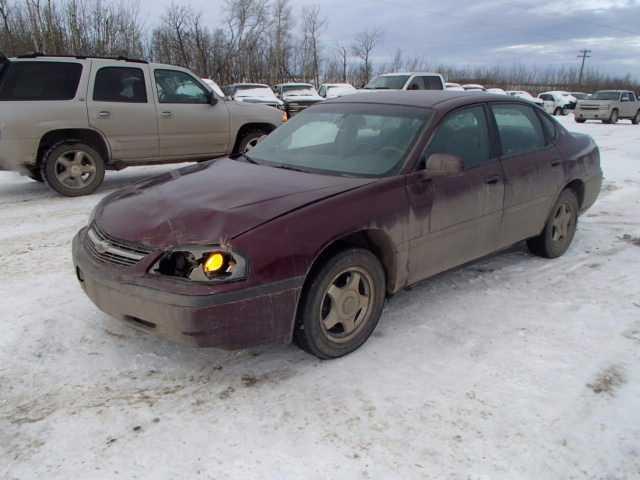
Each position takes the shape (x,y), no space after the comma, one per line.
(463,133)
(626,97)
(416,84)
(40,81)
(547,98)
(519,128)
(120,84)
(179,87)
(432,82)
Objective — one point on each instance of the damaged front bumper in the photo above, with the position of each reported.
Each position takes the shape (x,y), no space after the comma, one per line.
(232,319)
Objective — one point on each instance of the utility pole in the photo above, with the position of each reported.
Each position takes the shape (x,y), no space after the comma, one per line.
(584,54)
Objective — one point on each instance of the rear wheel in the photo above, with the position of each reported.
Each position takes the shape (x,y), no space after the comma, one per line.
(73,169)
(580,120)
(560,228)
(341,305)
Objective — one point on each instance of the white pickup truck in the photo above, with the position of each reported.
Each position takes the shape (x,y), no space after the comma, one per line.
(609,106)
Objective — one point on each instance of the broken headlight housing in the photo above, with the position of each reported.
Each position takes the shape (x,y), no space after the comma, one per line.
(202,264)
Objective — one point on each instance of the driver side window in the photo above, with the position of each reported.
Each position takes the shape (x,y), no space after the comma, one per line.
(464,133)
(174,86)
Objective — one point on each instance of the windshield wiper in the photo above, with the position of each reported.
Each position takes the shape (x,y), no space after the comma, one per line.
(289,167)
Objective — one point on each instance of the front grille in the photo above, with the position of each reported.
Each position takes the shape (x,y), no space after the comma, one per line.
(104,248)
(296,107)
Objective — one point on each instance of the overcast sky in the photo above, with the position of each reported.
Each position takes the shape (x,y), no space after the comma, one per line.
(483,32)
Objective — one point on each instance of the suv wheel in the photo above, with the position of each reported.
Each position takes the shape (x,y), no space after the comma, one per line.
(560,228)
(73,169)
(636,119)
(614,117)
(341,305)
(250,140)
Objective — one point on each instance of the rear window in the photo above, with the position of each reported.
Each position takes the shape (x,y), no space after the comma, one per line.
(40,81)
(432,83)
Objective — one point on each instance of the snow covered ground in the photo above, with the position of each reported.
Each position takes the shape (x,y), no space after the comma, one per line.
(512,368)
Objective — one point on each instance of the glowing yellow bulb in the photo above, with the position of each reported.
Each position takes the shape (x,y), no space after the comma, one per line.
(214,263)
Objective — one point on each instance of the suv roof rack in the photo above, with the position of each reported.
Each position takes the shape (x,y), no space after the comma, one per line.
(121,58)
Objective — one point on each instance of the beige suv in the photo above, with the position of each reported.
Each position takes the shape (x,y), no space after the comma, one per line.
(65,120)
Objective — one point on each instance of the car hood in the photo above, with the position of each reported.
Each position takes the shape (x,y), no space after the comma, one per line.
(258,99)
(303,98)
(210,202)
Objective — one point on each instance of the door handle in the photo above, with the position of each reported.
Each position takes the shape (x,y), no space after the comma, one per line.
(104,114)
(492,180)
(555,162)
(166,114)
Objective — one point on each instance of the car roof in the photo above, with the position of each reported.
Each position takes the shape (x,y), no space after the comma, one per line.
(262,85)
(293,84)
(438,99)
(410,73)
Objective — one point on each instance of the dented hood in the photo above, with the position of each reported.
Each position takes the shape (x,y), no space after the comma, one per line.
(207,202)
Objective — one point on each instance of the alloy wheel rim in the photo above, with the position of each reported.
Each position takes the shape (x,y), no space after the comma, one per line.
(347,304)
(562,223)
(75,169)
(251,144)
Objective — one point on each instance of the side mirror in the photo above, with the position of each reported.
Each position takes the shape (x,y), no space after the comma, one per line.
(213,100)
(444,165)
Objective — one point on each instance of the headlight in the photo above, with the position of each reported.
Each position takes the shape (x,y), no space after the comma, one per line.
(201,264)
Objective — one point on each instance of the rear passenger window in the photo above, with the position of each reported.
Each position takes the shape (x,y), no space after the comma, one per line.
(120,84)
(40,81)
(549,126)
(432,83)
(463,133)
(519,128)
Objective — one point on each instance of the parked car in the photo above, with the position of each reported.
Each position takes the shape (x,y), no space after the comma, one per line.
(297,96)
(214,86)
(335,90)
(523,95)
(456,87)
(65,120)
(473,87)
(496,91)
(609,106)
(305,236)
(406,81)
(253,93)
(557,102)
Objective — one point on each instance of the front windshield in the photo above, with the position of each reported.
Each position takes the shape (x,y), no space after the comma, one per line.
(257,90)
(344,139)
(603,95)
(298,90)
(388,82)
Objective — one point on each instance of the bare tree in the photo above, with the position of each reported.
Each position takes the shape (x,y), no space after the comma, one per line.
(343,54)
(364,44)
(313,24)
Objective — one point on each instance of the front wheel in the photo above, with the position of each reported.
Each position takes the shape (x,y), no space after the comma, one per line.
(560,228)
(557,112)
(73,169)
(614,117)
(341,305)
(580,120)
(250,140)
(636,119)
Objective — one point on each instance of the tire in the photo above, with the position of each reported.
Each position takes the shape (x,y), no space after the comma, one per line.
(613,118)
(250,140)
(580,120)
(564,112)
(73,169)
(328,330)
(557,112)
(560,228)
(636,119)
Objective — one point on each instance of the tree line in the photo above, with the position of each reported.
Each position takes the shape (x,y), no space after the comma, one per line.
(266,41)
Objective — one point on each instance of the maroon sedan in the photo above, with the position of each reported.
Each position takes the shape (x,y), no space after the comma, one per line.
(305,236)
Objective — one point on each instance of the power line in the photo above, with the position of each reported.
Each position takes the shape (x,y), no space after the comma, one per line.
(584,54)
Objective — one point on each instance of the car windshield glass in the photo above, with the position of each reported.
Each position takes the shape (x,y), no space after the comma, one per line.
(388,82)
(251,90)
(345,139)
(605,96)
(297,90)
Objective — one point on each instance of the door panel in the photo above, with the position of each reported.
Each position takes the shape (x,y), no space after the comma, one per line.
(456,218)
(189,126)
(463,222)
(533,171)
(119,105)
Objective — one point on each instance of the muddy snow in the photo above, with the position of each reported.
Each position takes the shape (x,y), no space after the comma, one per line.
(514,367)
